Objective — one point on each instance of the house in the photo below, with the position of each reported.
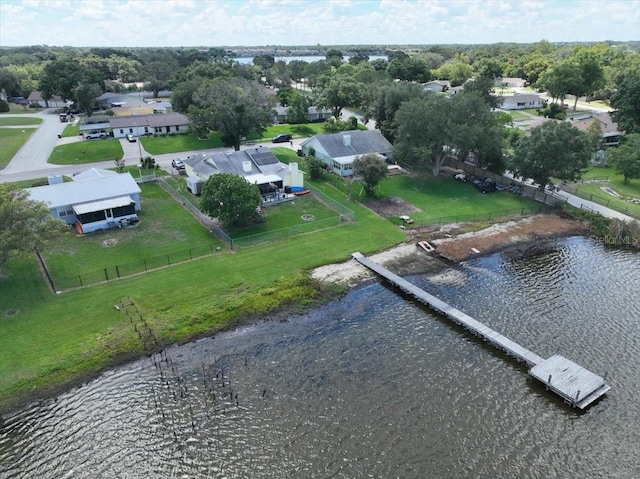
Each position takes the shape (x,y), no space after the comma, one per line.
(95,200)
(258,166)
(313,114)
(35,99)
(507,82)
(611,134)
(338,150)
(113,101)
(522,101)
(437,86)
(148,124)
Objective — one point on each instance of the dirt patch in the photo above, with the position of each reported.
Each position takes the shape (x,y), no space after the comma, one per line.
(532,232)
(392,206)
(110,242)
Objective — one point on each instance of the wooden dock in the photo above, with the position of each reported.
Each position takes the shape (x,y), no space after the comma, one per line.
(576,385)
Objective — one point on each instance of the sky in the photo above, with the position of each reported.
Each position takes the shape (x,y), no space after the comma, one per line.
(217,23)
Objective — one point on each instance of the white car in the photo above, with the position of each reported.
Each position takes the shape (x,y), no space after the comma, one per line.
(178,164)
(95,135)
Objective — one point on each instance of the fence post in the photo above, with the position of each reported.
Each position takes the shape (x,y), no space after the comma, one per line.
(190,255)
(168,261)
(80,278)
(145,265)
(117,272)
(106,274)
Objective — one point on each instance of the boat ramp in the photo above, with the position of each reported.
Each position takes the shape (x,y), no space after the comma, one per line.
(576,385)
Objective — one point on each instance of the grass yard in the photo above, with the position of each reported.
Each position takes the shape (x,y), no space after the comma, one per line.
(88,151)
(446,197)
(287,215)
(173,144)
(594,192)
(12,140)
(15,109)
(165,227)
(47,340)
(71,130)
(19,121)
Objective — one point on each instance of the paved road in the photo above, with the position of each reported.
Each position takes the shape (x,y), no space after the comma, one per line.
(578,202)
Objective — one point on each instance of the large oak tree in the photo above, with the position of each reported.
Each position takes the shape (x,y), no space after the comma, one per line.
(554,149)
(234,107)
(231,199)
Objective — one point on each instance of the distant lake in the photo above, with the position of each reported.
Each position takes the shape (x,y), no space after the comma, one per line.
(307,58)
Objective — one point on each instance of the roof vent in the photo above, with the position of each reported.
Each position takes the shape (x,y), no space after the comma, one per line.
(246,166)
(346,140)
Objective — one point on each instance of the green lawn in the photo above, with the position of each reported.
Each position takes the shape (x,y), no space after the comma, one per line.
(20,109)
(445,197)
(19,121)
(12,140)
(302,211)
(72,129)
(83,332)
(173,144)
(165,227)
(594,192)
(87,151)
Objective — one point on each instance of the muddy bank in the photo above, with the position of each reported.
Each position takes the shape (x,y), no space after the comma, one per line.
(525,237)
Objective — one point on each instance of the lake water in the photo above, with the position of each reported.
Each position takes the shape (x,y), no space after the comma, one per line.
(307,58)
(371,386)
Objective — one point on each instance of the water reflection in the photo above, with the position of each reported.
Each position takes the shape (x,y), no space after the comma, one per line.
(371,386)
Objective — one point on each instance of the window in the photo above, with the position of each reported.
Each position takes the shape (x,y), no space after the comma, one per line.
(65,211)
(121,131)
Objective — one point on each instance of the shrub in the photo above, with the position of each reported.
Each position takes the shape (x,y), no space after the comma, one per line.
(4,106)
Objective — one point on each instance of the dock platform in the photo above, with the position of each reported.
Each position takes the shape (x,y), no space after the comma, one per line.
(576,385)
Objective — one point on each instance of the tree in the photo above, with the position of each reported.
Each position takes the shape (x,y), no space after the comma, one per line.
(626,157)
(340,91)
(235,107)
(371,169)
(315,167)
(231,199)
(552,150)
(626,101)
(389,99)
(561,80)
(25,224)
(298,108)
(9,83)
(85,96)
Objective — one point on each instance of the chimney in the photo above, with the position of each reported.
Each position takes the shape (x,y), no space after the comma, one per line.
(346,140)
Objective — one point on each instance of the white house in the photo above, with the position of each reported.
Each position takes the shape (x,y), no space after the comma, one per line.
(522,101)
(95,200)
(35,98)
(437,86)
(338,150)
(148,124)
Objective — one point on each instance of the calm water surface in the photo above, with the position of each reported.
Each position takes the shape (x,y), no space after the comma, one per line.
(372,386)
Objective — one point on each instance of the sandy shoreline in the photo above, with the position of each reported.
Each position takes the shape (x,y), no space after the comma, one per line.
(524,237)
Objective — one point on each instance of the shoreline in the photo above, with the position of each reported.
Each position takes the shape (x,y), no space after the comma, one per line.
(524,237)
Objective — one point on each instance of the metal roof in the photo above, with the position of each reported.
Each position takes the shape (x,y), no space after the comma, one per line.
(102,205)
(360,142)
(160,120)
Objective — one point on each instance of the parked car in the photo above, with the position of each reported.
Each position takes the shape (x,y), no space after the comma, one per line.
(178,164)
(282,138)
(131,138)
(486,185)
(63,117)
(95,135)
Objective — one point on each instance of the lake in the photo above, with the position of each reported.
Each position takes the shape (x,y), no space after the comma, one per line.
(373,385)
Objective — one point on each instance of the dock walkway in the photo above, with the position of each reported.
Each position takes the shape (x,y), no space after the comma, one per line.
(575,384)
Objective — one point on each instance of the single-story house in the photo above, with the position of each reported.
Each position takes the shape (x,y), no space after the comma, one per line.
(134,109)
(437,86)
(338,150)
(95,200)
(35,98)
(148,124)
(611,134)
(522,101)
(256,165)
(507,82)
(113,101)
(313,114)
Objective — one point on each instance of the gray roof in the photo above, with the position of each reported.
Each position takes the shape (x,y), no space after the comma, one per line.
(522,97)
(361,143)
(84,191)
(170,119)
(258,160)
(112,98)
